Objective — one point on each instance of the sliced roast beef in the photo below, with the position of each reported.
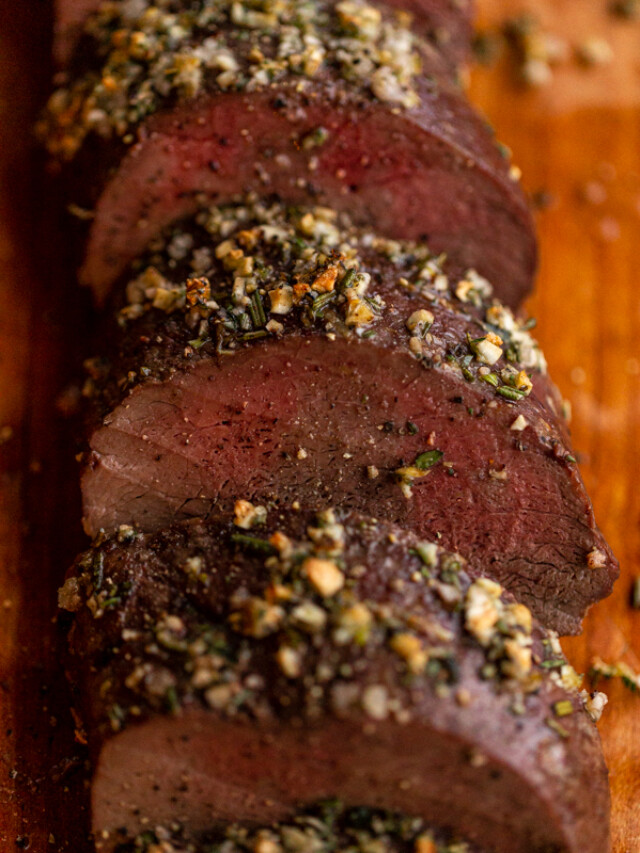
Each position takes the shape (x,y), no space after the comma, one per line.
(336,104)
(306,361)
(230,674)
(445,22)
(327,827)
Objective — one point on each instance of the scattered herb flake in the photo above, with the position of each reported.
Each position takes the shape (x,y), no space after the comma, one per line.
(253,543)
(553,663)
(428,459)
(511,394)
(557,727)
(171,697)
(256,309)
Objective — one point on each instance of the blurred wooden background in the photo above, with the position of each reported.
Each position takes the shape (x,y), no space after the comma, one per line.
(577,140)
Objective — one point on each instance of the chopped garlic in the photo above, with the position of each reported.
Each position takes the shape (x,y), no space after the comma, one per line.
(482,609)
(290,661)
(596,559)
(247,515)
(409,648)
(359,313)
(487,352)
(520,658)
(519,424)
(375,701)
(594,704)
(309,617)
(281,299)
(420,320)
(360,17)
(324,575)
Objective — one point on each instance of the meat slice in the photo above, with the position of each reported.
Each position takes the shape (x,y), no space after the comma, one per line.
(448,23)
(230,674)
(327,826)
(346,109)
(306,362)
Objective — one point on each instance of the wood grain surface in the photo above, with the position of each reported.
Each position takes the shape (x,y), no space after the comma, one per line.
(577,141)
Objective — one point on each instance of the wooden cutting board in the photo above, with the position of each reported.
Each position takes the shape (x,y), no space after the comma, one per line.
(577,141)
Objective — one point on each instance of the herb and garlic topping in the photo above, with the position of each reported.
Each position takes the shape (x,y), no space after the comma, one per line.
(329,827)
(152,53)
(255,269)
(290,631)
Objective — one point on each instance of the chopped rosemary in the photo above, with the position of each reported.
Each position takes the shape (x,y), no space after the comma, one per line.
(321,302)
(253,543)
(428,459)
(252,336)
(317,137)
(98,571)
(245,322)
(511,394)
(196,343)
(427,552)
(490,378)
(468,375)
(629,678)
(553,663)
(117,716)
(347,280)
(256,310)
(171,698)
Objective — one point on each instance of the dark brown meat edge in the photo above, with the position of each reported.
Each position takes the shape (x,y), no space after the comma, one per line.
(302,417)
(498,760)
(448,23)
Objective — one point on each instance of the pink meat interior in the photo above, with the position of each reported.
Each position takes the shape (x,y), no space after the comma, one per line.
(307,419)
(200,770)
